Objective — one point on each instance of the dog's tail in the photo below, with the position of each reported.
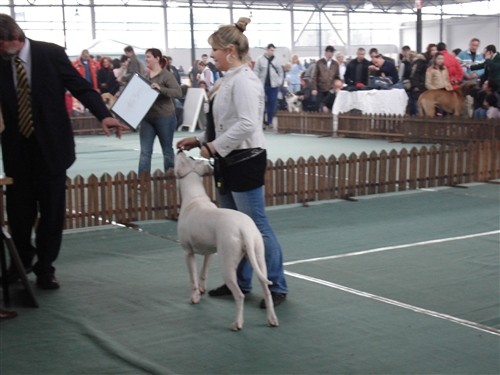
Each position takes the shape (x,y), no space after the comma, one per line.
(254,248)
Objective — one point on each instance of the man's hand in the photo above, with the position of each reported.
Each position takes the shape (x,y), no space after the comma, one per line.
(110,122)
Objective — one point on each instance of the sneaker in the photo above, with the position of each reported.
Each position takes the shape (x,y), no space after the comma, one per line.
(223,290)
(278,299)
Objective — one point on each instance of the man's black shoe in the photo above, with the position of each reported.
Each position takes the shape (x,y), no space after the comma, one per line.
(278,299)
(223,290)
(47,282)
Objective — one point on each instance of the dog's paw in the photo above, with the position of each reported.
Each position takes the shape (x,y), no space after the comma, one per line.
(236,327)
(273,322)
(195,297)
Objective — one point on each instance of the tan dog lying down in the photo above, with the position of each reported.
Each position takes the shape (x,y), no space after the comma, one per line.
(448,101)
(204,229)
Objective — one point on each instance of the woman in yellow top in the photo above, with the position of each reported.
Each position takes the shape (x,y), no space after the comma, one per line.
(436,77)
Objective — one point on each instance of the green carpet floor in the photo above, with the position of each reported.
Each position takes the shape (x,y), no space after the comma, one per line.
(404,283)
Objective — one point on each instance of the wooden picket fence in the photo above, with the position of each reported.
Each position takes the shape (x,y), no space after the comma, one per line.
(396,128)
(124,199)
(86,125)
(305,123)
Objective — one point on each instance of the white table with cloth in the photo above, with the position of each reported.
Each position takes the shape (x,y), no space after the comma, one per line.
(377,102)
(380,102)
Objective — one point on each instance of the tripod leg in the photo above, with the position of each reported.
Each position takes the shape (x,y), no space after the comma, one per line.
(5,281)
(16,261)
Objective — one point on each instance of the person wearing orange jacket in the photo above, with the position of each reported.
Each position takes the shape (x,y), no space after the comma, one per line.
(87,68)
(455,71)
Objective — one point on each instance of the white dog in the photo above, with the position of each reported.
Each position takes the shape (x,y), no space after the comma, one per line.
(204,229)
(293,103)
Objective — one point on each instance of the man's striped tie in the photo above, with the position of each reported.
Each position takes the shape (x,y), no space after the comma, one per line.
(25,119)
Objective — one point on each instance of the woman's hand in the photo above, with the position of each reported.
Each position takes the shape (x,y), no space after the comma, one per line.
(188,143)
(155,86)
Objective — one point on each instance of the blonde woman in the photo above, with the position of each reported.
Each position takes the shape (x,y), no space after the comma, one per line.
(237,103)
(294,73)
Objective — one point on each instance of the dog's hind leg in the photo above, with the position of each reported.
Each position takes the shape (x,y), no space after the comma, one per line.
(239,298)
(193,275)
(272,319)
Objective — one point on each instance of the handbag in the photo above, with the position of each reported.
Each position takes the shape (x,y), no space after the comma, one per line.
(241,170)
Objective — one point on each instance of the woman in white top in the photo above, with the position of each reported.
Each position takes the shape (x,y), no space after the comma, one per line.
(237,108)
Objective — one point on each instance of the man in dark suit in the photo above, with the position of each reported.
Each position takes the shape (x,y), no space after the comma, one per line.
(37,144)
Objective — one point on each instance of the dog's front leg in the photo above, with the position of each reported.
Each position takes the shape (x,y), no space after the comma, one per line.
(204,273)
(193,275)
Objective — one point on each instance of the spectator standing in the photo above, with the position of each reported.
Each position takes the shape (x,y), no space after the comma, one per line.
(430,51)
(178,102)
(216,74)
(356,73)
(418,71)
(294,74)
(106,77)
(491,64)
(325,73)
(270,73)
(470,57)
(404,63)
(161,120)
(172,69)
(121,68)
(455,72)
(340,58)
(38,145)
(310,69)
(206,75)
(134,64)
(87,68)
(238,107)
(193,74)
(437,76)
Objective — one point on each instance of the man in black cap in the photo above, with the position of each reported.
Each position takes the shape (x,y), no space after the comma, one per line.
(324,76)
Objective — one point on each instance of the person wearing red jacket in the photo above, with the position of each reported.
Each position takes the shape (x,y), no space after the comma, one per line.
(452,64)
(87,68)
